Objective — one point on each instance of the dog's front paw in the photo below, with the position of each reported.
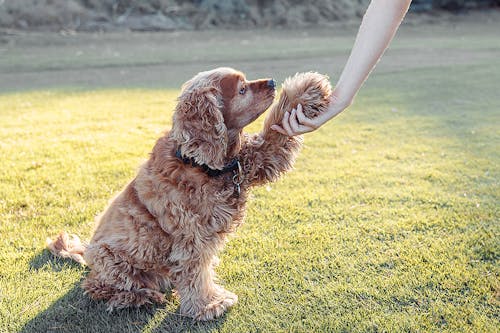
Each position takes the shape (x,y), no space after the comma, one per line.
(312,90)
(218,306)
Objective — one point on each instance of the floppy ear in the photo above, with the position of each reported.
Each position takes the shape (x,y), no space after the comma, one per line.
(198,126)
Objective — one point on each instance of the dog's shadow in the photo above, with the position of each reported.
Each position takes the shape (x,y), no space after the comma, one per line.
(76,312)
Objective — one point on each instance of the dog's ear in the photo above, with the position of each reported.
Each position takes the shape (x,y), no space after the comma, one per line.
(198,125)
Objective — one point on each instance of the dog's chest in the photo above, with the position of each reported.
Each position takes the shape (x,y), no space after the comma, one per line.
(208,202)
(228,197)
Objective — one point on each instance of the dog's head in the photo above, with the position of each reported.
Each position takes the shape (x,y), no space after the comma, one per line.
(213,108)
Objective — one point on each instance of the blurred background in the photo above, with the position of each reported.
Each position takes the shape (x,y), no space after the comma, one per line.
(154,15)
(95,44)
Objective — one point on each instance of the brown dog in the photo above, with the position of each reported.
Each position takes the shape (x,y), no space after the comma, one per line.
(167,226)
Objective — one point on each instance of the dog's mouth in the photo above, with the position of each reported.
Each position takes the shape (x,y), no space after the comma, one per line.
(269,93)
(266,102)
(273,94)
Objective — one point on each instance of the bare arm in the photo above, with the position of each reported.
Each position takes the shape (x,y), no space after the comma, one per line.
(378,27)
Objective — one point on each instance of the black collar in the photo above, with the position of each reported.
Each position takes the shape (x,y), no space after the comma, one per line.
(231,166)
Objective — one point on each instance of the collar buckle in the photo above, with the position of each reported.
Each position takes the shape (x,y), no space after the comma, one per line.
(238,178)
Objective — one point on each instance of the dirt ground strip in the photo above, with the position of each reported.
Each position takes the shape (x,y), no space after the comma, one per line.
(68,60)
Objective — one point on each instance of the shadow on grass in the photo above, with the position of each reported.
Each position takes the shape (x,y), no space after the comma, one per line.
(46,261)
(76,312)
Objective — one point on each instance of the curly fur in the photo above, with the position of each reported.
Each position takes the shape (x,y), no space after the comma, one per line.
(165,229)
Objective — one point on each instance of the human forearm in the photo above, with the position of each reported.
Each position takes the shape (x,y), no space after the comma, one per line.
(377,29)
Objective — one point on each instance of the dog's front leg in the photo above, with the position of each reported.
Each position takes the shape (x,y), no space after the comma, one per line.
(269,154)
(200,297)
(266,156)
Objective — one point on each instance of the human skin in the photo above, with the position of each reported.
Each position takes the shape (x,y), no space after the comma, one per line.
(377,29)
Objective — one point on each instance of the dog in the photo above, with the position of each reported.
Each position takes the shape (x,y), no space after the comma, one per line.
(166,227)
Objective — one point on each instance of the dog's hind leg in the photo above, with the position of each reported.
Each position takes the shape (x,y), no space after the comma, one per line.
(119,283)
(117,298)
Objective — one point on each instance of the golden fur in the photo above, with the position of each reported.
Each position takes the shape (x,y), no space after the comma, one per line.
(165,229)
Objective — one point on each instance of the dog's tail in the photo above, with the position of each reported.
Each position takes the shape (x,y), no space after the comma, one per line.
(65,246)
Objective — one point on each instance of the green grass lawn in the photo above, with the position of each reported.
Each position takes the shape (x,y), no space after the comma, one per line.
(389,222)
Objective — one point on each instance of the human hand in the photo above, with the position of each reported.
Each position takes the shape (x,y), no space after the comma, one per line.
(296,122)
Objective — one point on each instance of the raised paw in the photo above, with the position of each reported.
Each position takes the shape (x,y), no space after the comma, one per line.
(311,90)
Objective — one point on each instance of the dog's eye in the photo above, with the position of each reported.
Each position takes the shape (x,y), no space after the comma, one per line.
(243,90)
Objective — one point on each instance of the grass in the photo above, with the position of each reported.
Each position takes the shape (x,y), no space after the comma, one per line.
(389,223)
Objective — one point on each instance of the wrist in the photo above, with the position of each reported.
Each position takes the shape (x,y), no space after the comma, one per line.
(338,105)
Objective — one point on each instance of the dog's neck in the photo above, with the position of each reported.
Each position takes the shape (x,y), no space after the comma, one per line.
(234,143)
(231,160)
(231,166)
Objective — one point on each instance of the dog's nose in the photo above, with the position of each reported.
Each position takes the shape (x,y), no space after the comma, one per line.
(271,84)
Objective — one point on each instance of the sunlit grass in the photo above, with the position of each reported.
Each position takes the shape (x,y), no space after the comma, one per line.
(388,223)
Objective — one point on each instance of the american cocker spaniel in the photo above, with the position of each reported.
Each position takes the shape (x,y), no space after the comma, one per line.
(166,227)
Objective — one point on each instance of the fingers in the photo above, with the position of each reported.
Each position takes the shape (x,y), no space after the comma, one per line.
(285,128)
(299,123)
(293,123)
(303,120)
(286,124)
(313,123)
(279,129)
